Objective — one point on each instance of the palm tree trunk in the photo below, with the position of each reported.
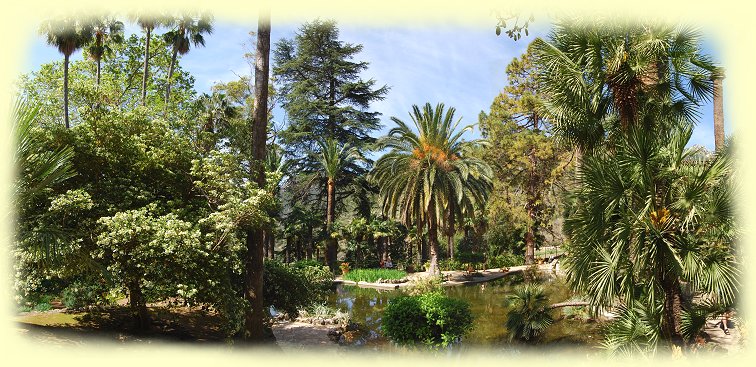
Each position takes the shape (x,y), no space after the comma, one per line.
(170,77)
(253,292)
(433,239)
(330,213)
(672,322)
(65,89)
(719,135)
(146,70)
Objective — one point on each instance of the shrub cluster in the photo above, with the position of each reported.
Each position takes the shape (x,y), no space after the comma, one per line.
(291,287)
(373,275)
(432,319)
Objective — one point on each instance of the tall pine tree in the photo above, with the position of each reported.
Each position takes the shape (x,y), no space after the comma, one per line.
(325,100)
(529,161)
(322,92)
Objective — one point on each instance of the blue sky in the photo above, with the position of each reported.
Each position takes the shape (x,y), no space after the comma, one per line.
(463,67)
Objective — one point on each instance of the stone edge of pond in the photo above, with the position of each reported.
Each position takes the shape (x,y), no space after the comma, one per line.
(490,274)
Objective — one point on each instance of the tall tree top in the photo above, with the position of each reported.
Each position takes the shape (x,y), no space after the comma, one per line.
(323,93)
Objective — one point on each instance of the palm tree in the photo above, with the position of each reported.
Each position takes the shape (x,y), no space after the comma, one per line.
(39,168)
(68,35)
(106,31)
(601,76)
(187,29)
(333,161)
(148,22)
(529,316)
(428,169)
(651,215)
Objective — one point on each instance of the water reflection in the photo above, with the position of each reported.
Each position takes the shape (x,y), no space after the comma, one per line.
(487,303)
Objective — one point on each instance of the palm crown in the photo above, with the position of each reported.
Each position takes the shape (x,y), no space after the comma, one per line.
(428,170)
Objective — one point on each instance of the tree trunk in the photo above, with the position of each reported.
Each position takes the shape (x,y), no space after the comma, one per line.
(65,89)
(99,66)
(170,77)
(433,239)
(146,70)
(254,320)
(138,305)
(719,135)
(330,213)
(672,317)
(287,250)
(567,304)
(532,204)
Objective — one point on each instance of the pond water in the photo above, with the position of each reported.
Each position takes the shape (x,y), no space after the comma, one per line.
(487,303)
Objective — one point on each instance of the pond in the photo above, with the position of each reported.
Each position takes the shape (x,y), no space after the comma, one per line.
(572,330)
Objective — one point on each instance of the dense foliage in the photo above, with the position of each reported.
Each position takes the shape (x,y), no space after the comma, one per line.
(431,319)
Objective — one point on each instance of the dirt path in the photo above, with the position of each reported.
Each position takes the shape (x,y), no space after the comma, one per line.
(731,343)
(297,336)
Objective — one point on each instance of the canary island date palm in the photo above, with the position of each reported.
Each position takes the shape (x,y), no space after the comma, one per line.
(603,76)
(68,35)
(333,161)
(427,168)
(651,215)
(188,29)
(105,31)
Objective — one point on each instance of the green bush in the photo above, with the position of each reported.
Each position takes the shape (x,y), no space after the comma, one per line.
(432,319)
(423,284)
(451,264)
(83,293)
(290,287)
(372,275)
(506,259)
(470,258)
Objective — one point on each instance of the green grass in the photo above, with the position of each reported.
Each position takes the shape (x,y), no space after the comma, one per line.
(372,275)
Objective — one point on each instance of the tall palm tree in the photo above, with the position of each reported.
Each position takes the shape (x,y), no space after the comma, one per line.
(333,161)
(187,29)
(148,22)
(68,35)
(652,214)
(600,75)
(426,169)
(105,31)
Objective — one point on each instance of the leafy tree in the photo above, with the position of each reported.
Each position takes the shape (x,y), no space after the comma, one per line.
(68,35)
(529,161)
(187,29)
(119,88)
(324,98)
(428,168)
(106,31)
